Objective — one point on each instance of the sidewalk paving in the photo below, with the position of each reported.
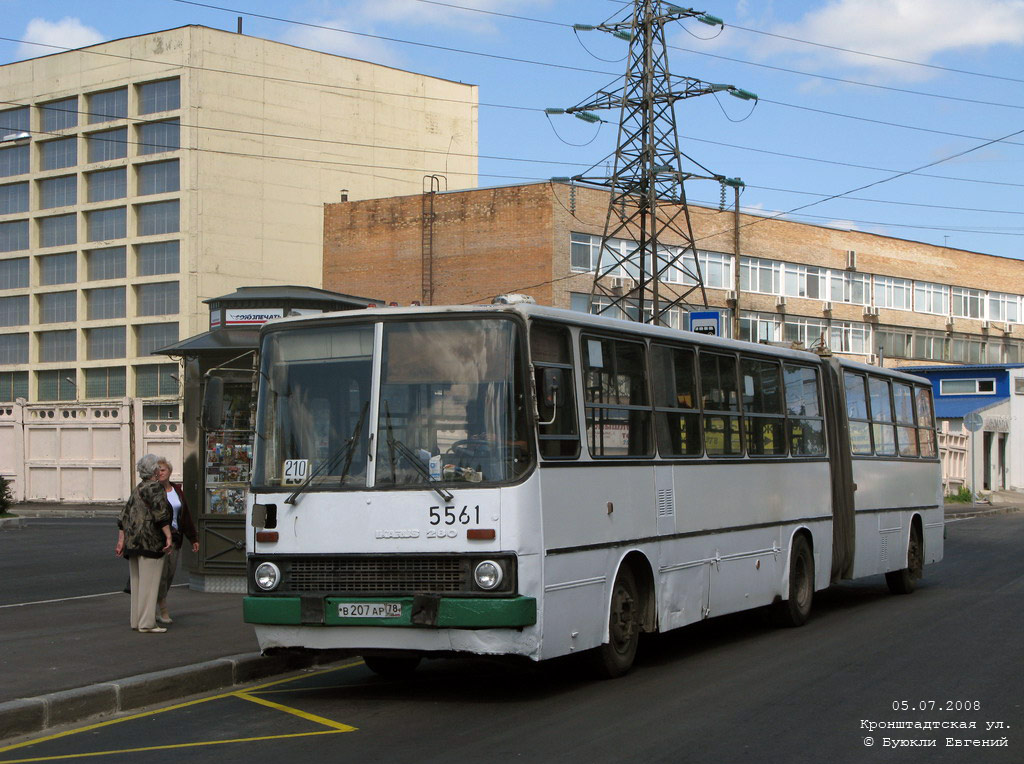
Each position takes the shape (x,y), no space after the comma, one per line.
(69,660)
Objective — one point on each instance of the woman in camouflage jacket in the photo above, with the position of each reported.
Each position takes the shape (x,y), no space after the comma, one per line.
(144,537)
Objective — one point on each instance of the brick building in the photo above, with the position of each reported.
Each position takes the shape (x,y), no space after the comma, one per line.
(861,294)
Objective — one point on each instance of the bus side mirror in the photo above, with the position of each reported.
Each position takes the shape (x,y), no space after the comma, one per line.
(213,404)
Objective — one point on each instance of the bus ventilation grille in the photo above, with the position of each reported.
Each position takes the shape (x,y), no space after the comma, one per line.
(666,503)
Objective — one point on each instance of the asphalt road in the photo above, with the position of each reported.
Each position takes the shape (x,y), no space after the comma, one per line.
(60,557)
(732,689)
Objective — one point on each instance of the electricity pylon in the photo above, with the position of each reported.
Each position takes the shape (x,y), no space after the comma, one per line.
(647,205)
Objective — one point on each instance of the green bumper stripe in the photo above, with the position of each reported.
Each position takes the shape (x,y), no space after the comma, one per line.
(452,612)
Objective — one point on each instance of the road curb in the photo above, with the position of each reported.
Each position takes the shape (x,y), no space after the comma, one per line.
(963,514)
(26,716)
(6,523)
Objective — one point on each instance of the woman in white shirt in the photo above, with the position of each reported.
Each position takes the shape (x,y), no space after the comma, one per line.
(181,527)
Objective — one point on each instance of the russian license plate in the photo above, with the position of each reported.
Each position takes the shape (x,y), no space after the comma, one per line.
(369,610)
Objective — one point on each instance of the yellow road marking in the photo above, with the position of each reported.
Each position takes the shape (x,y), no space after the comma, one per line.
(296,712)
(173,746)
(337,726)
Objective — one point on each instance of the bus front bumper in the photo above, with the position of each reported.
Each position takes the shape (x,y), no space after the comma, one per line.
(417,611)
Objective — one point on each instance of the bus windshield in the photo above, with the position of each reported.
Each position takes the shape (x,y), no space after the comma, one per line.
(450,406)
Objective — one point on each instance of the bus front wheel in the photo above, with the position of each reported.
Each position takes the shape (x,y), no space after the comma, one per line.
(905,581)
(615,657)
(795,610)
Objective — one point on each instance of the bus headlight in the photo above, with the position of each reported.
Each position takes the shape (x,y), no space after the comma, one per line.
(488,575)
(267,576)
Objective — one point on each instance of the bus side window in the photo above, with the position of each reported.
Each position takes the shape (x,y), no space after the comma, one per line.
(550,349)
(805,425)
(618,413)
(764,423)
(677,419)
(906,432)
(926,422)
(857,412)
(881,417)
(720,404)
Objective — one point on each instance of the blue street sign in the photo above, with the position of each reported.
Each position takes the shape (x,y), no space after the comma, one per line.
(706,322)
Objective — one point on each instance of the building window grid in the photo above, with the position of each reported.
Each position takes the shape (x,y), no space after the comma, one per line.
(152,337)
(157,137)
(56,385)
(968,303)
(805,281)
(58,192)
(156,380)
(162,95)
(106,263)
(105,303)
(852,288)
(58,308)
(105,382)
(931,298)
(158,258)
(14,121)
(13,385)
(58,230)
(893,293)
(158,299)
(14,160)
(108,105)
(157,177)
(14,273)
(104,225)
(108,144)
(105,342)
(14,310)
(760,276)
(58,154)
(58,269)
(158,218)
(760,327)
(13,348)
(58,346)
(14,198)
(105,185)
(14,236)
(59,115)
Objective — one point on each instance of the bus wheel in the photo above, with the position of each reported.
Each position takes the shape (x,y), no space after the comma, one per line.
(795,610)
(905,581)
(615,657)
(392,666)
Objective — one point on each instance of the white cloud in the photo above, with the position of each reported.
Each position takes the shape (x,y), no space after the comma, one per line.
(905,29)
(66,33)
(325,39)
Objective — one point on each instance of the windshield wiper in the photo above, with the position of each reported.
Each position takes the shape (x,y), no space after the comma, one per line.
(410,456)
(346,451)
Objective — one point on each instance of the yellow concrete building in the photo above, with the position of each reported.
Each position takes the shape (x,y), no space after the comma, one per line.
(141,176)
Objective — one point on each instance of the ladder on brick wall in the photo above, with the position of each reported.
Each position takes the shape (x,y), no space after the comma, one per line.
(431,185)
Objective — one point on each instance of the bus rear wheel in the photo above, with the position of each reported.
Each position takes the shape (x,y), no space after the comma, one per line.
(795,610)
(615,657)
(905,581)
(392,666)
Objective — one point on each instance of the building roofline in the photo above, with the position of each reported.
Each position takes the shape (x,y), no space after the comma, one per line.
(749,213)
(87,48)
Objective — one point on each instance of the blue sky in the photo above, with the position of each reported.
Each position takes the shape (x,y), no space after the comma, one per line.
(854,93)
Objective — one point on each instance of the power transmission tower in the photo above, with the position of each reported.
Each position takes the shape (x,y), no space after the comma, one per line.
(647,204)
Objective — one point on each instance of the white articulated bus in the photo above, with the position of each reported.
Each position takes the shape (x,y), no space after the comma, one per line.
(521,480)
